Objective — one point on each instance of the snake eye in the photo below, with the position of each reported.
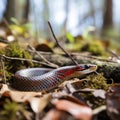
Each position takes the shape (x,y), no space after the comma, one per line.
(87,66)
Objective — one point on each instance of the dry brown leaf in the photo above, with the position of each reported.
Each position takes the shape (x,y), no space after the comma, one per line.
(35,100)
(43,47)
(52,115)
(55,114)
(113,102)
(3,45)
(62,95)
(115,88)
(99,93)
(38,104)
(96,92)
(3,88)
(80,112)
(18,96)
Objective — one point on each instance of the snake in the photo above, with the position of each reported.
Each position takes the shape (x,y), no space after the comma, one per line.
(45,79)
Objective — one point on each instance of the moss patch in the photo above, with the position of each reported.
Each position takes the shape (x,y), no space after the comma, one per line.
(97,82)
(15,51)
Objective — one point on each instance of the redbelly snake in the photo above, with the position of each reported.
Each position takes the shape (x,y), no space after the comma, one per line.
(38,79)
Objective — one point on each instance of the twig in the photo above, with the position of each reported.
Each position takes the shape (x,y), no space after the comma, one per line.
(6,23)
(4,41)
(99,109)
(70,88)
(35,21)
(113,54)
(42,57)
(96,72)
(3,69)
(60,45)
(93,57)
(23,59)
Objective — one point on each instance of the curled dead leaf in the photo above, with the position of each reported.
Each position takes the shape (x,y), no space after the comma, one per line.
(80,112)
(99,93)
(18,96)
(113,102)
(55,114)
(114,88)
(38,104)
(3,88)
(43,47)
(52,115)
(61,95)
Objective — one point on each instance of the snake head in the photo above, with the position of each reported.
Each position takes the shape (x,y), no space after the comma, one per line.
(86,68)
(77,71)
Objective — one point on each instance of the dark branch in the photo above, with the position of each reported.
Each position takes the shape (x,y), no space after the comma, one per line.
(23,59)
(42,57)
(60,45)
(3,69)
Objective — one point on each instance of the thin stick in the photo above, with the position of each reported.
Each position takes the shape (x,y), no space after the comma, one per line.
(4,41)
(6,23)
(42,57)
(23,59)
(60,45)
(3,69)
(96,72)
(113,54)
(93,57)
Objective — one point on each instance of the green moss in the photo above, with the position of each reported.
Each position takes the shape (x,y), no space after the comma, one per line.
(92,101)
(15,51)
(13,111)
(97,82)
(95,47)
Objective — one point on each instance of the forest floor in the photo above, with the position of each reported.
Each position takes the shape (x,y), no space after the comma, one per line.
(93,96)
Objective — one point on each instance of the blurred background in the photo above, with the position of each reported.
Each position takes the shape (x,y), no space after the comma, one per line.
(77,17)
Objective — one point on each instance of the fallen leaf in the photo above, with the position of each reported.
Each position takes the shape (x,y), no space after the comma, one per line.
(62,95)
(38,104)
(52,115)
(43,47)
(96,92)
(113,102)
(80,112)
(115,88)
(99,93)
(55,114)
(18,96)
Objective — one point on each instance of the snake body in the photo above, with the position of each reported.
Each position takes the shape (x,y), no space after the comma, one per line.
(38,79)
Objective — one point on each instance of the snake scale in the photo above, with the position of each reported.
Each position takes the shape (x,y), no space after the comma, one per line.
(38,79)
